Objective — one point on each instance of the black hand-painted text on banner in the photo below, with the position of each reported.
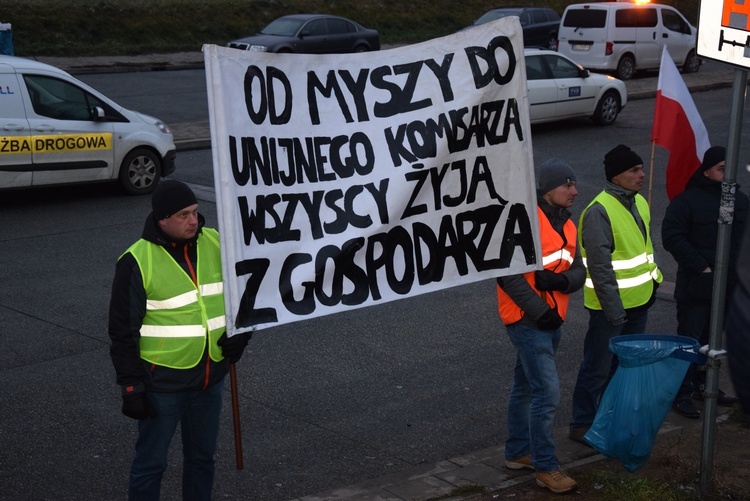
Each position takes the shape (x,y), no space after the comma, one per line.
(348,181)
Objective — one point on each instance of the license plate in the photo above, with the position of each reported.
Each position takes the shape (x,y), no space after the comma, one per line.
(580,46)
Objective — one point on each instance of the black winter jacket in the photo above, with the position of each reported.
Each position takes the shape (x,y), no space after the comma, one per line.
(690,232)
(126,311)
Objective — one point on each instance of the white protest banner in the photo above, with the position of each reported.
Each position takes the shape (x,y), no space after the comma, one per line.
(345,181)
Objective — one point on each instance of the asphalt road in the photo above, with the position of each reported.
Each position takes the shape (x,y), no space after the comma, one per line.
(324,403)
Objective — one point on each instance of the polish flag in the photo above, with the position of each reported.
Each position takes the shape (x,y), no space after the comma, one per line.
(677,126)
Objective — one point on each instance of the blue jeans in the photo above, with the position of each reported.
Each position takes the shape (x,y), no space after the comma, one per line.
(534,397)
(198,414)
(599,364)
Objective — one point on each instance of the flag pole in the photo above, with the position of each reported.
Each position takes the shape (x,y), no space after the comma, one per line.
(651,172)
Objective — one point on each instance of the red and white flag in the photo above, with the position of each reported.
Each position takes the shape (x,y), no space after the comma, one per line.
(677,126)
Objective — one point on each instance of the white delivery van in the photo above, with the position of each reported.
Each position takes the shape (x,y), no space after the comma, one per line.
(55,129)
(623,37)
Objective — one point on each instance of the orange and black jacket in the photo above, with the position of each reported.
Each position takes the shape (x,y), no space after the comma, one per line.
(518,299)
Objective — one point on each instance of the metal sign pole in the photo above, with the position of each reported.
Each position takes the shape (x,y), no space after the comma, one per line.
(718,298)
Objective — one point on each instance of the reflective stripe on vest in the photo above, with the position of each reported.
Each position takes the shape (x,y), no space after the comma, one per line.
(180,316)
(557,255)
(633,258)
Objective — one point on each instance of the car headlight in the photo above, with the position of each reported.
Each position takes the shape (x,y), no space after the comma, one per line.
(258,48)
(163,127)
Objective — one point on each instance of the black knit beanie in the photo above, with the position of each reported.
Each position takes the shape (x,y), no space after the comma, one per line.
(619,159)
(713,156)
(169,197)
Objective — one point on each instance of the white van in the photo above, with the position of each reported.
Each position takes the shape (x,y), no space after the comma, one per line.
(55,129)
(623,38)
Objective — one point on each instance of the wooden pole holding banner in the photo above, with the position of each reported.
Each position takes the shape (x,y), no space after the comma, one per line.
(236,416)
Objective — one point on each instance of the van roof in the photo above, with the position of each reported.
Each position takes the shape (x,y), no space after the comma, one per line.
(23,63)
(624,4)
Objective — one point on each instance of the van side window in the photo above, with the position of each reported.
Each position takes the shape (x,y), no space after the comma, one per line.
(585,18)
(636,18)
(647,18)
(673,22)
(58,99)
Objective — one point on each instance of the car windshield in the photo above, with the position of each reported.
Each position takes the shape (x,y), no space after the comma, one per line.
(493,15)
(283,27)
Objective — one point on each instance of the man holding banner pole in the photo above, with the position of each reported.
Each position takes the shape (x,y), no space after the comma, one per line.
(533,307)
(168,342)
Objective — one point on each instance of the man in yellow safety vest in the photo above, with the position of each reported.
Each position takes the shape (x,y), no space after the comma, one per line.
(168,342)
(621,277)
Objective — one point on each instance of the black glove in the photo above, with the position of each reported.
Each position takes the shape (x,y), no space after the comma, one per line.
(547,280)
(550,321)
(135,402)
(233,347)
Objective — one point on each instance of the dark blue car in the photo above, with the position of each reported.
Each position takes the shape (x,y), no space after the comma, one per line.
(311,34)
(539,24)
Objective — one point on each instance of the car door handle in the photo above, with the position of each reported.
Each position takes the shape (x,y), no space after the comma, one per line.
(14,127)
(45,128)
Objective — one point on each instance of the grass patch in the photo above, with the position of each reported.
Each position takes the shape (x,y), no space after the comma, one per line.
(117,27)
(613,487)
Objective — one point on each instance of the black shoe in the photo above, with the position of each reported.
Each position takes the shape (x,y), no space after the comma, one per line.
(722,399)
(686,408)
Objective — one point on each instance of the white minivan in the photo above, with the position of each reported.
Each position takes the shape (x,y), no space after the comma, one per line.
(623,37)
(55,129)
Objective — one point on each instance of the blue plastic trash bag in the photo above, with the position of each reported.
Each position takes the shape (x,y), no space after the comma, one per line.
(639,395)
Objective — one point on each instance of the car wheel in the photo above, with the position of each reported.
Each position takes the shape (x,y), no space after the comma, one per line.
(140,171)
(626,68)
(552,42)
(361,48)
(607,109)
(692,63)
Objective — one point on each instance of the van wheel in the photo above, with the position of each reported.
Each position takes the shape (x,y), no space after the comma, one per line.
(626,68)
(607,109)
(692,63)
(140,171)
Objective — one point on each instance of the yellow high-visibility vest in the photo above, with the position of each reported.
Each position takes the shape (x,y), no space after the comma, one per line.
(633,258)
(180,316)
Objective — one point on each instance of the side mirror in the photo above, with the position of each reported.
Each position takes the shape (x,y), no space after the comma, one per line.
(584,73)
(97,113)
